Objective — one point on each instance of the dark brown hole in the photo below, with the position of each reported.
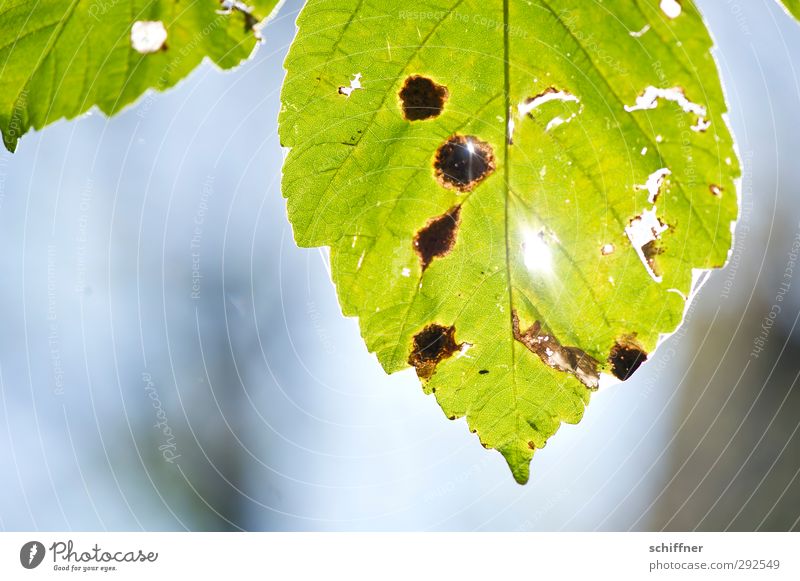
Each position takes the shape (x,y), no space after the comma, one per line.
(422,98)
(250,22)
(431,345)
(438,237)
(625,359)
(462,162)
(483,371)
(552,353)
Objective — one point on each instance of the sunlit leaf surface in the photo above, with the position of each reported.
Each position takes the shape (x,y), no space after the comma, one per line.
(516,194)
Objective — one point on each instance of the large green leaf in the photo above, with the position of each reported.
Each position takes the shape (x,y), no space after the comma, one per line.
(515,194)
(58,58)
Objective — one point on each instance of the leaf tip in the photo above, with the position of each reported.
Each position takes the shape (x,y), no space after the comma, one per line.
(521,472)
(518,457)
(10,139)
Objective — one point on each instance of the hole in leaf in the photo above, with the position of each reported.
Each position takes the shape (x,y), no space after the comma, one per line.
(422,98)
(355,84)
(650,251)
(551,94)
(437,238)
(654,184)
(644,231)
(462,162)
(625,358)
(431,345)
(715,190)
(550,350)
(701,126)
(148,36)
(231,6)
(651,95)
(672,8)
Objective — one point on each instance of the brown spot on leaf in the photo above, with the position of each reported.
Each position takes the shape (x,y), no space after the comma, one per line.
(462,162)
(483,371)
(535,98)
(422,98)
(650,251)
(626,357)
(432,345)
(438,237)
(550,350)
(250,22)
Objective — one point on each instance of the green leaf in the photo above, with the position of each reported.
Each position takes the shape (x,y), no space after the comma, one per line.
(59,58)
(792,7)
(480,169)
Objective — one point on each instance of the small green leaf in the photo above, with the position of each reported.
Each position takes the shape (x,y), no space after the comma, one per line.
(60,58)
(515,194)
(792,7)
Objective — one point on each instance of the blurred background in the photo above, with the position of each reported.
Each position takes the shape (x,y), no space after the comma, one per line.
(170,360)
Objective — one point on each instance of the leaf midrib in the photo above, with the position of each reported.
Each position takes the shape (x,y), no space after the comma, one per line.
(506,201)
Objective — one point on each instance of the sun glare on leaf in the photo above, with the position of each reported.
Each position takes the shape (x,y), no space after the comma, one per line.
(536,253)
